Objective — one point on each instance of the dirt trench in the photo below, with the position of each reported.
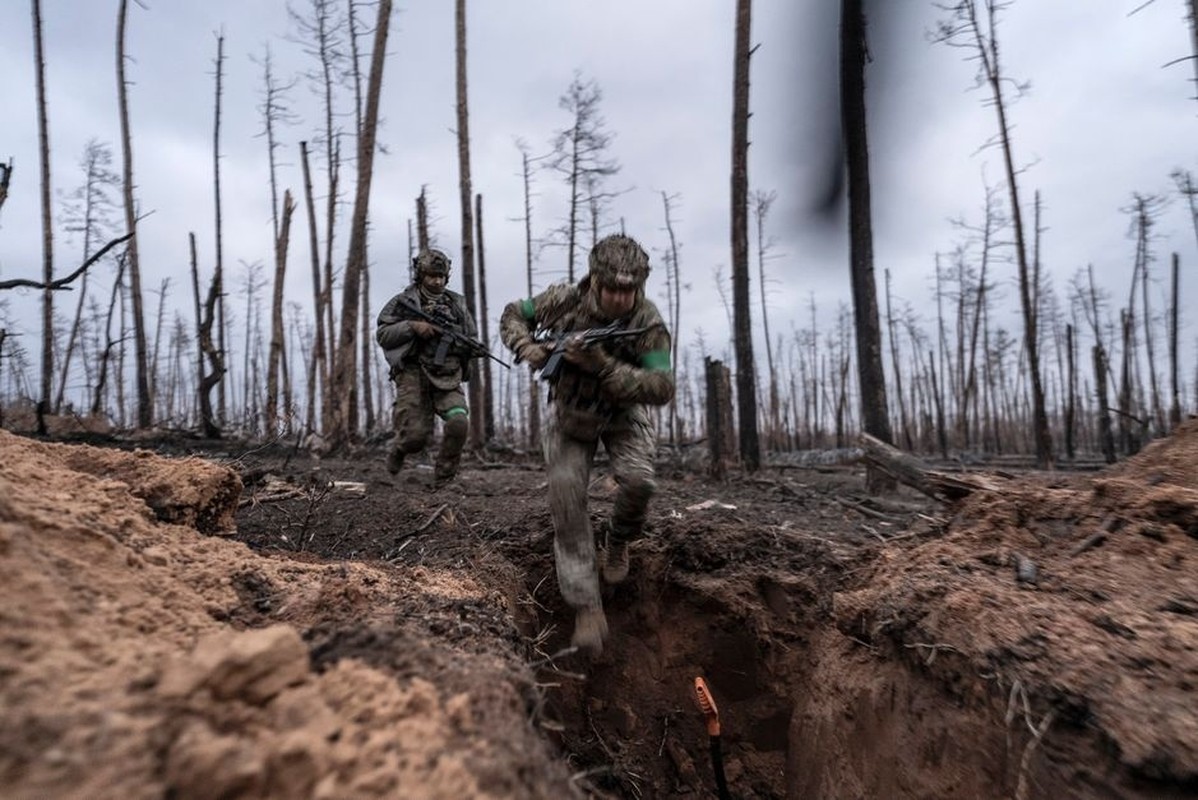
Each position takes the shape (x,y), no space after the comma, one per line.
(808,710)
(828,686)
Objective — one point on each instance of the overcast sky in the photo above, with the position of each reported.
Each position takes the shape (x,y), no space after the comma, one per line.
(1104,118)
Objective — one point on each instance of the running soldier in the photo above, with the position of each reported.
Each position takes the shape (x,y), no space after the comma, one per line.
(428,365)
(600,394)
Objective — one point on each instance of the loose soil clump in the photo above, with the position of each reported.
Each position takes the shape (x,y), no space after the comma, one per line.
(262,623)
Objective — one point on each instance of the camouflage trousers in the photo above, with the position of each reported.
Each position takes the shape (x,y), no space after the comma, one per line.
(631,445)
(416,400)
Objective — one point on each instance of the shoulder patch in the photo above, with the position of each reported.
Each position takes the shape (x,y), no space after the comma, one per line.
(656,360)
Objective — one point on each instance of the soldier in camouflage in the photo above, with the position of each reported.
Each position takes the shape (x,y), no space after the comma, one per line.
(600,395)
(422,385)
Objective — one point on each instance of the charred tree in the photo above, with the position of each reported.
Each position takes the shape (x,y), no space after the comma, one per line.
(1070,395)
(218,275)
(1175,390)
(871,377)
(746,380)
(276,360)
(580,158)
(475,388)
(488,406)
(534,388)
(674,306)
(719,417)
(762,202)
(208,378)
(318,373)
(344,383)
(88,213)
(144,407)
(982,38)
(43,140)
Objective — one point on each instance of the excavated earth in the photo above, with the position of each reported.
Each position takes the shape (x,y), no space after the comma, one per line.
(191,620)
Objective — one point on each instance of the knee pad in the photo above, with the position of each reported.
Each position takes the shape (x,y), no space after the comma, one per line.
(641,488)
(456,428)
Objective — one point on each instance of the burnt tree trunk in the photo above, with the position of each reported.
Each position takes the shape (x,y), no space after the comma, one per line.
(746,381)
(466,194)
(43,140)
(144,409)
(1106,438)
(488,406)
(276,359)
(870,375)
(318,375)
(1071,395)
(719,417)
(344,383)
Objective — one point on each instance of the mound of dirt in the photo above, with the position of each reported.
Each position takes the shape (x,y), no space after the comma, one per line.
(126,669)
(1077,600)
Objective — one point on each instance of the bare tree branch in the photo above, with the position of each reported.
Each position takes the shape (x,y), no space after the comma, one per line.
(61,283)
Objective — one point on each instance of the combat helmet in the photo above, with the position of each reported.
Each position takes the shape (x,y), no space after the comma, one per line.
(618,262)
(431,262)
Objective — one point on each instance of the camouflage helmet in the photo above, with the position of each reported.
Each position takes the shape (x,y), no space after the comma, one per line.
(618,262)
(431,262)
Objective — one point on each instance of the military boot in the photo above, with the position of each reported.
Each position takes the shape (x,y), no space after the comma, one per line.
(395,460)
(613,562)
(453,439)
(590,629)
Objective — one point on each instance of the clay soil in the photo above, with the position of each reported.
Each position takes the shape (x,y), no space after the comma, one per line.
(184,619)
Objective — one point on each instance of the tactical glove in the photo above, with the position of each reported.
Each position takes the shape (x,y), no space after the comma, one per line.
(587,358)
(534,354)
(423,329)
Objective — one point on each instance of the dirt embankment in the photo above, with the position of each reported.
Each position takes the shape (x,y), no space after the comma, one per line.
(378,639)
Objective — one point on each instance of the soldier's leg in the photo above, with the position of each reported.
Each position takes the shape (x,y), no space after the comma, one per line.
(451,407)
(568,463)
(631,446)
(411,417)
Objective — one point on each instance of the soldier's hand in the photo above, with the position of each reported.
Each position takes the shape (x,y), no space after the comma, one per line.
(534,354)
(423,329)
(588,359)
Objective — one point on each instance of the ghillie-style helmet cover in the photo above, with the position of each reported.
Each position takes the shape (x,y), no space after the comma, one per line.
(619,262)
(431,262)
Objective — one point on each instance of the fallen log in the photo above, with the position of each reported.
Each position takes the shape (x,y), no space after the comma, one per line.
(909,470)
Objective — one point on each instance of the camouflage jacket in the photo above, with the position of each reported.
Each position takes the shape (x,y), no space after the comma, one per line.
(639,370)
(403,348)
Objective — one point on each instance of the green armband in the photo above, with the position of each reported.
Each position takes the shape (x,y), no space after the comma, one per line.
(656,360)
(526,309)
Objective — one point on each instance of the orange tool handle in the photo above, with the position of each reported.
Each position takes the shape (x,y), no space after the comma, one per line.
(707,705)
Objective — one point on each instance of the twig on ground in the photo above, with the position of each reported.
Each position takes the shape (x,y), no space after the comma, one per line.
(433,518)
(1021,791)
(866,510)
(1093,540)
(565,651)
(870,647)
(933,649)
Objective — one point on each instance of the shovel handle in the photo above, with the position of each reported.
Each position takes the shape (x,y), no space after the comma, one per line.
(707,705)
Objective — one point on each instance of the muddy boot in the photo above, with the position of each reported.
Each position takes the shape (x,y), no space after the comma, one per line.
(590,629)
(453,439)
(613,563)
(395,460)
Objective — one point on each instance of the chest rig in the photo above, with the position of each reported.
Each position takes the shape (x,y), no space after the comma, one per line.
(579,390)
(432,353)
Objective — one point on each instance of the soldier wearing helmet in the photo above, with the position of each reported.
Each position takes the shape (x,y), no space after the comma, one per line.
(428,377)
(601,395)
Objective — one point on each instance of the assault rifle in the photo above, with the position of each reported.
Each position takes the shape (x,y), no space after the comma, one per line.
(588,337)
(449,336)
